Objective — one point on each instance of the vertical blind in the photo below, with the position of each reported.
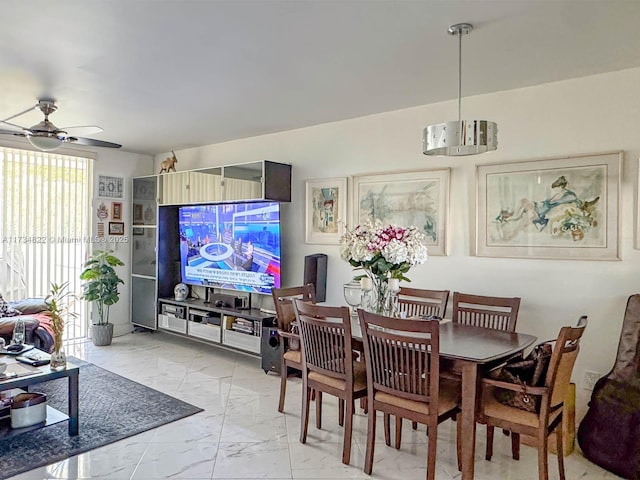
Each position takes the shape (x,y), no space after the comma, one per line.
(45,225)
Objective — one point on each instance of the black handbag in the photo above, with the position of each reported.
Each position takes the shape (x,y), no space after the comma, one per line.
(526,372)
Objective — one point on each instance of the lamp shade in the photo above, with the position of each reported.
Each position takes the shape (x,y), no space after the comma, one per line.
(463,137)
(45,143)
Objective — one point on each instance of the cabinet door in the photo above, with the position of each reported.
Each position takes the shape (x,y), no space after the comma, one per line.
(205,185)
(143,306)
(143,251)
(243,182)
(145,195)
(174,188)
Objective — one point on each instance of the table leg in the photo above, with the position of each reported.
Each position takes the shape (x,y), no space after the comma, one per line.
(468,414)
(73,403)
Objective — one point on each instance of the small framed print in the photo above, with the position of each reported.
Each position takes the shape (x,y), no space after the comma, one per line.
(138,213)
(138,230)
(116,228)
(116,210)
(325,210)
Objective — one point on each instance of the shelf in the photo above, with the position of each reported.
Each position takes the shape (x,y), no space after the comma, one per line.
(53,416)
(138,275)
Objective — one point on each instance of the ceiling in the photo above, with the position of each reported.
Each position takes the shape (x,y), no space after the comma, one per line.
(158,75)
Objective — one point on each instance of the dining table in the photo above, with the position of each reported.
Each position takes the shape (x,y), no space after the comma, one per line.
(466,351)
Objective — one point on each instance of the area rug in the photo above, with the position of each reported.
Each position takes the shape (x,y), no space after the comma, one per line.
(111,408)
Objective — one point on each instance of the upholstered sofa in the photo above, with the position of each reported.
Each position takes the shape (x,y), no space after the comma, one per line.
(37,321)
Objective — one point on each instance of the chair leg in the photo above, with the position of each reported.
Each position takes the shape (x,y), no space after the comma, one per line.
(348,429)
(398,432)
(560,451)
(431,452)
(364,405)
(283,386)
(318,409)
(304,417)
(489,448)
(387,433)
(341,412)
(459,444)
(371,437)
(515,445)
(543,466)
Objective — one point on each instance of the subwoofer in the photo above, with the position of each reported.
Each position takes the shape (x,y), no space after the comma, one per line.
(315,271)
(270,350)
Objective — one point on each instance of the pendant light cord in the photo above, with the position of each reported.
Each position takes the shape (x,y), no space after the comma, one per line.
(459,75)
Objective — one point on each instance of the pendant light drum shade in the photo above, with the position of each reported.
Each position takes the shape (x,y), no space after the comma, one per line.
(463,137)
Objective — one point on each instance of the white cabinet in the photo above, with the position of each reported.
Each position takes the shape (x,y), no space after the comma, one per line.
(262,180)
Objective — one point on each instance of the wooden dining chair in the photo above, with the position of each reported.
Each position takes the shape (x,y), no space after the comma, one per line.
(500,313)
(328,365)
(415,302)
(290,354)
(404,380)
(552,395)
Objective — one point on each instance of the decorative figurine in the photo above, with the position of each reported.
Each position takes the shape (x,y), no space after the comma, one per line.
(169,165)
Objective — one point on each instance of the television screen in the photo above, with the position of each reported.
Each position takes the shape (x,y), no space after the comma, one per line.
(232,245)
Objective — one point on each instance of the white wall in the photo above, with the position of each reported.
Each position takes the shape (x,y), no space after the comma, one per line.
(588,115)
(117,163)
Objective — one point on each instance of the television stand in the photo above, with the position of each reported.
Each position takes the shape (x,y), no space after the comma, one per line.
(231,327)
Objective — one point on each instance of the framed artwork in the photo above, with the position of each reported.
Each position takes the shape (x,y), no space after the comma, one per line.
(116,210)
(638,209)
(138,230)
(110,187)
(559,208)
(325,210)
(413,198)
(138,213)
(116,228)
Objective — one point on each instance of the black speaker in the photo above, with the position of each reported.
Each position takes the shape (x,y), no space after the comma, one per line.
(270,350)
(315,271)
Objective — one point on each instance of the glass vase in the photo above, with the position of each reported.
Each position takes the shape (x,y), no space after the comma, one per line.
(58,360)
(377,302)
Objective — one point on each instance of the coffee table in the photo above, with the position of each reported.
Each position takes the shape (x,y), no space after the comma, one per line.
(44,374)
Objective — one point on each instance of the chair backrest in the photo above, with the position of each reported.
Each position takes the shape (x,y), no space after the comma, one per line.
(499,313)
(396,358)
(325,334)
(563,358)
(283,301)
(413,302)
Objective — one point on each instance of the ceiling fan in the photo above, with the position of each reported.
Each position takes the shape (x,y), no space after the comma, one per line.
(45,135)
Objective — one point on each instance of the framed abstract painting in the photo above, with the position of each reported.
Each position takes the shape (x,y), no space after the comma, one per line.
(414,198)
(325,210)
(559,208)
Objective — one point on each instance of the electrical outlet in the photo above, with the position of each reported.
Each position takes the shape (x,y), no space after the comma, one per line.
(590,379)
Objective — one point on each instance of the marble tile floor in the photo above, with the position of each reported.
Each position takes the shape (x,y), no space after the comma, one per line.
(240,435)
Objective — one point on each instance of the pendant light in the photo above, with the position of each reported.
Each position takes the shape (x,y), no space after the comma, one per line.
(464,137)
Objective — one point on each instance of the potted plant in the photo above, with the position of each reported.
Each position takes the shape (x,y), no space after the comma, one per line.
(101,287)
(59,302)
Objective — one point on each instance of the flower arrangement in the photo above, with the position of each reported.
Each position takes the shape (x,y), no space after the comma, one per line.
(383,252)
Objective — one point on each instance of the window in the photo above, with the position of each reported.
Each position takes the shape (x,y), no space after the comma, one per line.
(45,224)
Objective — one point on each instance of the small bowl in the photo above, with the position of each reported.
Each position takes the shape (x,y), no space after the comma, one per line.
(3,367)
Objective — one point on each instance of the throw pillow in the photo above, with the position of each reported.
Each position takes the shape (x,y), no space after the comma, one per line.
(7,310)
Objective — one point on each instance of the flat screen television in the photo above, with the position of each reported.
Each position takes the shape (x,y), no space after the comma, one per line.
(233,246)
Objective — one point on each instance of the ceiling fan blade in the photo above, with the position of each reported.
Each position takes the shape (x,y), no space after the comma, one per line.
(92,142)
(13,132)
(84,129)
(13,125)
(18,114)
